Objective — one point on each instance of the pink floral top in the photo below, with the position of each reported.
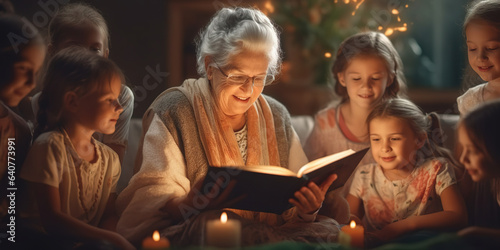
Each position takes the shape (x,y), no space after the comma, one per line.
(387,201)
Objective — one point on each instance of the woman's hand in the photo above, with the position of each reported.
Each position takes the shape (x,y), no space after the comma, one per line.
(195,201)
(309,198)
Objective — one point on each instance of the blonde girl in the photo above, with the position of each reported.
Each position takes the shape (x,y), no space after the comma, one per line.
(412,185)
(367,69)
(482,31)
(73,175)
(82,25)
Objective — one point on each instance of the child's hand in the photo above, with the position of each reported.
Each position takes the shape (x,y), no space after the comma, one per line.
(471,232)
(310,198)
(395,229)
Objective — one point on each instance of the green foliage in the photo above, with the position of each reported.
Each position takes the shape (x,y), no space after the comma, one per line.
(319,26)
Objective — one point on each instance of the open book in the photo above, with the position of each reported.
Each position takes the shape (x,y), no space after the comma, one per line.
(268,188)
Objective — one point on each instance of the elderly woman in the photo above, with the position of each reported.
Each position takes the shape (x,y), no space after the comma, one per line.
(221,119)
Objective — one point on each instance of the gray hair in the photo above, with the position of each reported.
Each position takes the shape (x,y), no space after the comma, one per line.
(233,30)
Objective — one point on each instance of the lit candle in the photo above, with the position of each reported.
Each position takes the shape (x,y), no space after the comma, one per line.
(155,242)
(223,232)
(356,235)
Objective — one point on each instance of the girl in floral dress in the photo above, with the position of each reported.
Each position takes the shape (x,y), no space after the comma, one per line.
(412,185)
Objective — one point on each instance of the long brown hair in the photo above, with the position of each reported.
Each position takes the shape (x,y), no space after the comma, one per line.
(71,69)
(482,127)
(375,44)
(420,123)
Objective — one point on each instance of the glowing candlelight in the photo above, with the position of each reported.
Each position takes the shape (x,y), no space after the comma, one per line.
(155,242)
(356,234)
(223,232)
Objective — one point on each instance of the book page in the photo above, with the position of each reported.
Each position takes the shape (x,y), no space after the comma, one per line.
(318,163)
(265,169)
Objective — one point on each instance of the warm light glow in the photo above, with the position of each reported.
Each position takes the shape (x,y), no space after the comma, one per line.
(328,54)
(389,29)
(353,224)
(223,217)
(389,32)
(156,236)
(269,6)
(357,6)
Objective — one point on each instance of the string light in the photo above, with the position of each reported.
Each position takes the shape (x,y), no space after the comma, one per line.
(389,30)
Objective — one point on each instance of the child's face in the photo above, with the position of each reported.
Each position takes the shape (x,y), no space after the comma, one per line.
(474,159)
(99,110)
(483,46)
(394,144)
(87,36)
(22,78)
(366,78)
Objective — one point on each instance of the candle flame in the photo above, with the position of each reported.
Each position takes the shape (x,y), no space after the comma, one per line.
(223,217)
(156,236)
(353,224)
(395,11)
(328,54)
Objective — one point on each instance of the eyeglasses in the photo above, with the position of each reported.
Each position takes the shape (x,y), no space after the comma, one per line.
(258,81)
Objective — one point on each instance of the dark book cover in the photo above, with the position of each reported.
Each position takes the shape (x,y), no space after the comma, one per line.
(263,192)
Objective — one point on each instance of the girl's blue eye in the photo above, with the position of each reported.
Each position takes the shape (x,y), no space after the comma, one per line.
(395,139)
(375,139)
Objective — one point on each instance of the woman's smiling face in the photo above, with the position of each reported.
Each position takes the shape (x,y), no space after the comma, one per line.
(234,100)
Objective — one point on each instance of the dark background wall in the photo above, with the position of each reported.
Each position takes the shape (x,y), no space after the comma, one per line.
(138,31)
(153,42)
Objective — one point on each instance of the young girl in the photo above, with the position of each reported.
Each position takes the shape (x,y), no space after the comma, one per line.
(412,185)
(21,56)
(367,69)
(479,136)
(73,175)
(82,25)
(482,30)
